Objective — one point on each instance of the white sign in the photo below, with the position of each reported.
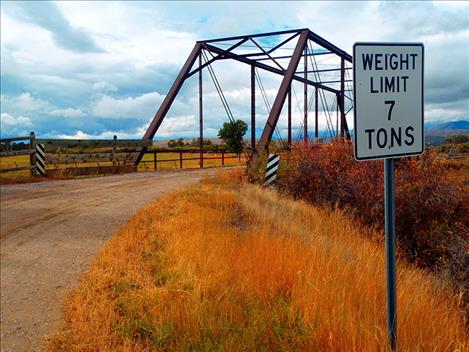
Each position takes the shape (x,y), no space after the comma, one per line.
(388,106)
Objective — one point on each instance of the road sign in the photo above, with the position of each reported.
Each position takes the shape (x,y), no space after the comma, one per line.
(388,100)
(271,170)
(388,117)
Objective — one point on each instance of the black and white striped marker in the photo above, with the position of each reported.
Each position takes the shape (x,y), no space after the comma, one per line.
(41,159)
(272,167)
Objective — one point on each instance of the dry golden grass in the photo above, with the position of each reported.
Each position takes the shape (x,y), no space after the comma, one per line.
(232,267)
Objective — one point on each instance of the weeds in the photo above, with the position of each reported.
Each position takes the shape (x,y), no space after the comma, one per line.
(284,276)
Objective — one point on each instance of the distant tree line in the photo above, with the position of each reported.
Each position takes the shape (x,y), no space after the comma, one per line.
(14,146)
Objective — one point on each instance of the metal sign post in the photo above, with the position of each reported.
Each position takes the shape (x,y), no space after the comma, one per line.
(390,239)
(388,123)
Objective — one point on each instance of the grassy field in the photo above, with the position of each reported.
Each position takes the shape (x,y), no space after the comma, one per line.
(145,165)
(227,266)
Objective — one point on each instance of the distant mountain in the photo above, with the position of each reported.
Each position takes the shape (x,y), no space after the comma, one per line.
(450,126)
(436,132)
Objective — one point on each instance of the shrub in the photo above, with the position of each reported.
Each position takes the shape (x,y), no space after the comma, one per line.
(432,211)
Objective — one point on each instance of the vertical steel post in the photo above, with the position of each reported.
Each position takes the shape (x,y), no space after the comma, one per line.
(201,122)
(253,108)
(390,237)
(32,156)
(337,98)
(342,95)
(114,150)
(289,116)
(305,98)
(316,128)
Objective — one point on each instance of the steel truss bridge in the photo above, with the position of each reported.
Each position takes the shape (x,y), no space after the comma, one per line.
(300,63)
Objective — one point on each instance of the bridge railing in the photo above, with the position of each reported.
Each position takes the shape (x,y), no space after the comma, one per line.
(8,150)
(189,158)
(76,157)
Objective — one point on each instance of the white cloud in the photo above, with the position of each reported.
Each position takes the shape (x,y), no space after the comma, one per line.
(178,126)
(143,54)
(24,102)
(11,125)
(140,107)
(104,87)
(136,134)
(68,112)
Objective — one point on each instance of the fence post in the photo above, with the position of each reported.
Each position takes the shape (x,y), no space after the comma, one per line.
(154,160)
(114,150)
(180,160)
(222,158)
(32,156)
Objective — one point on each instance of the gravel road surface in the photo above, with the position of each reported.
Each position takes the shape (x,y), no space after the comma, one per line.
(50,231)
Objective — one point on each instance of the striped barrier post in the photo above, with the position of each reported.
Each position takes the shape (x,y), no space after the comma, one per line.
(272,167)
(41,159)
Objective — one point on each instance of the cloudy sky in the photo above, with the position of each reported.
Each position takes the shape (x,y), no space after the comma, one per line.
(79,69)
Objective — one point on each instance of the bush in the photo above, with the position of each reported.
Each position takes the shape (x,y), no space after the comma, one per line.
(432,209)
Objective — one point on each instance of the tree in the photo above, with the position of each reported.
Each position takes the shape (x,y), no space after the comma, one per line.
(233,133)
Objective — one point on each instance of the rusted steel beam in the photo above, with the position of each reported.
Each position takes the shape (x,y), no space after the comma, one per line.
(336,81)
(285,56)
(324,70)
(168,100)
(251,36)
(282,93)
(218,57)
(253,107)
(329,46)
(268,54)
(289,116)
(347,132)
(263,53)
(201,116)
(265,67)
(341,96)
(305,96)
(283,42)
(337,98)
(316,120)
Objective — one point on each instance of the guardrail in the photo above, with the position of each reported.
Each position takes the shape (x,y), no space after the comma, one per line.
(31,151)
(80,153)
(225,154)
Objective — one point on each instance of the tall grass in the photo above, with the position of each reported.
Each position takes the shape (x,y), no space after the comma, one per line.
(432,205)
(233,267)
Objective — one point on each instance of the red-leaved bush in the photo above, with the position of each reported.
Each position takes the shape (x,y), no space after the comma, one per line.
(432,209)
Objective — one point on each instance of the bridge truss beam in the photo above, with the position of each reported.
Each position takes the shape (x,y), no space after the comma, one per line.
(268,61)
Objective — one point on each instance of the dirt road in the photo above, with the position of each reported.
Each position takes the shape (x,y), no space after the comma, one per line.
(50,231)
